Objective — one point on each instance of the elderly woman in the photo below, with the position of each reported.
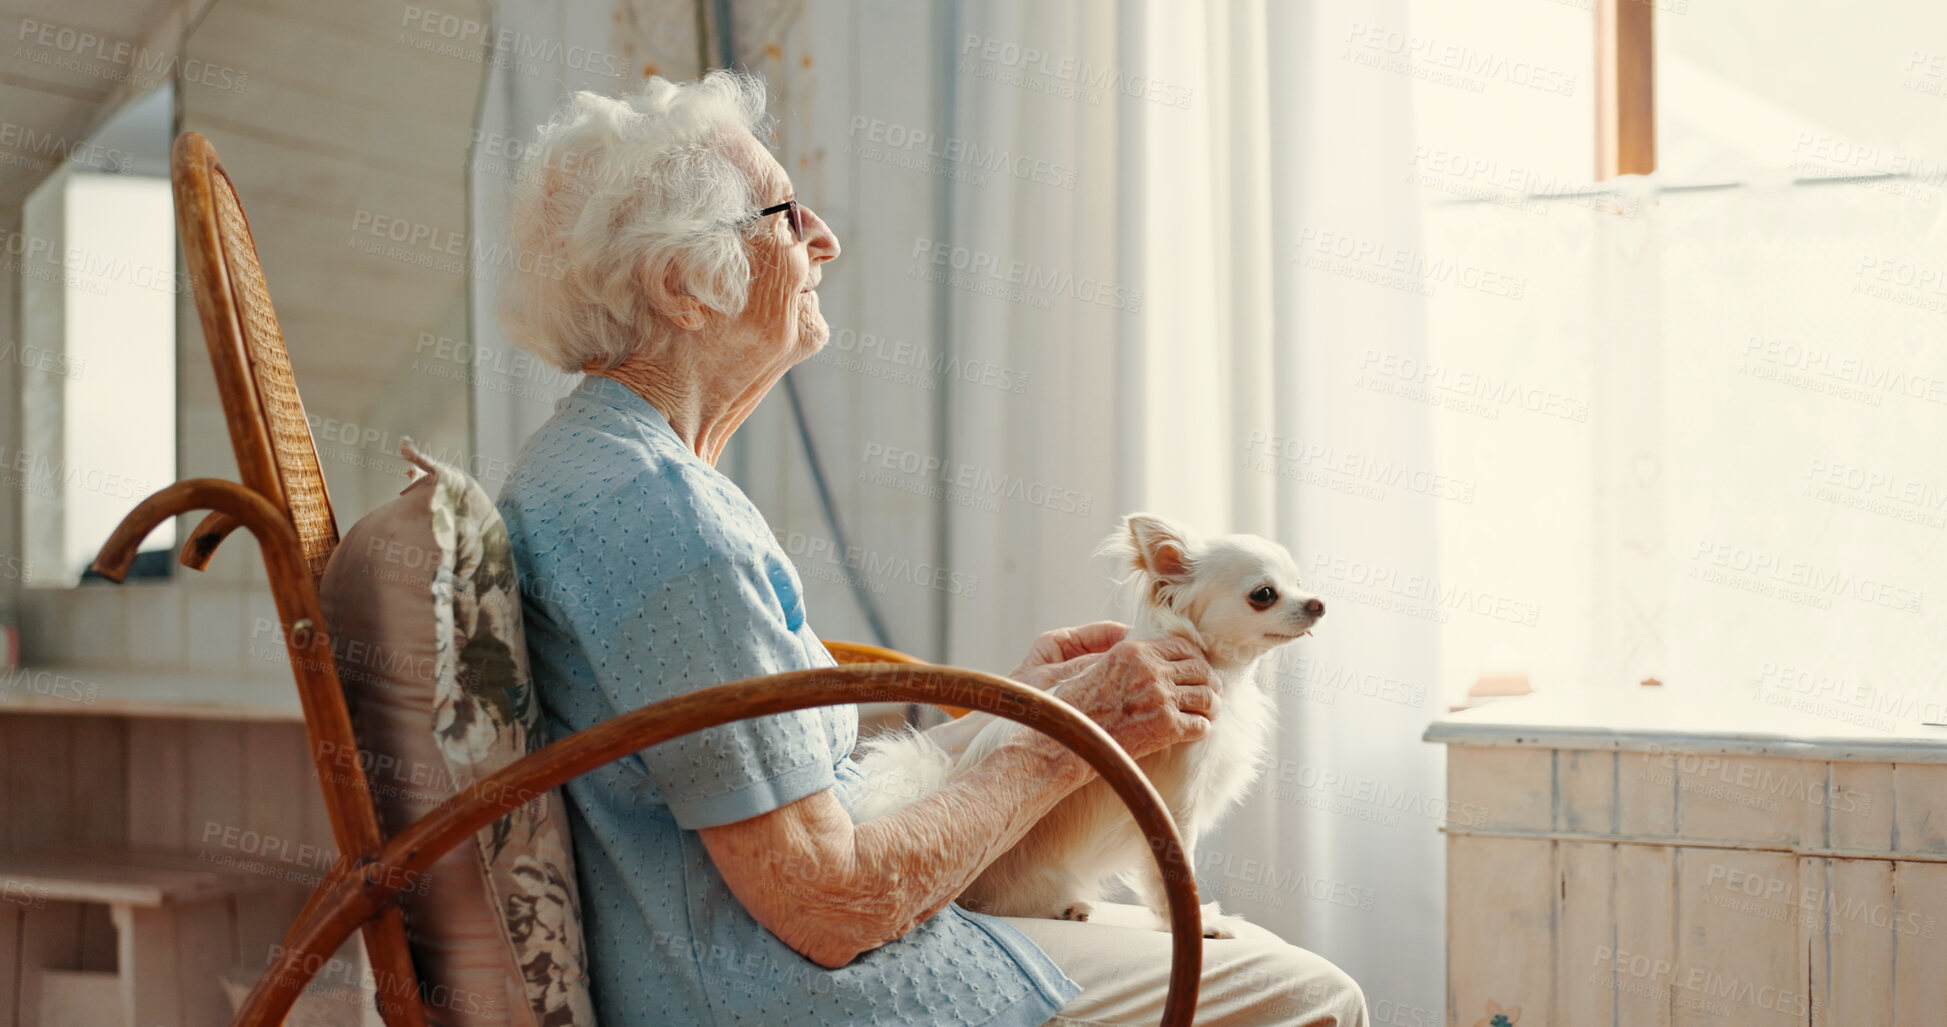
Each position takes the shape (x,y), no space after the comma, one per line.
(721,876)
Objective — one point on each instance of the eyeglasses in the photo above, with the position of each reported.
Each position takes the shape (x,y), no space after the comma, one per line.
(793,213)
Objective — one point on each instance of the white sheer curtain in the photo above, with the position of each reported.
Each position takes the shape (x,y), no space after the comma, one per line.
(1218,185)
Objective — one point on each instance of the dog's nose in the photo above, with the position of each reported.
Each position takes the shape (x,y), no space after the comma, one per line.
(1314,608)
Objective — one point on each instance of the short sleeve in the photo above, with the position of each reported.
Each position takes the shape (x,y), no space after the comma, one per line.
(681,602)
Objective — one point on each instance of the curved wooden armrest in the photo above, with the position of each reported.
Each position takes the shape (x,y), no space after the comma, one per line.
(209,534)
(235,505)
(358,891)
(851,653)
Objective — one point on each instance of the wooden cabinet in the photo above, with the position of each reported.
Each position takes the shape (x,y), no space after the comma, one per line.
(1619,868)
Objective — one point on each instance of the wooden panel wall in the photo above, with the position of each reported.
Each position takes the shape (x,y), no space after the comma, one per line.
(1674,888)
(238,794)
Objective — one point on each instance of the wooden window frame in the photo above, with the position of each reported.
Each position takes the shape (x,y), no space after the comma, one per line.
(1625,93)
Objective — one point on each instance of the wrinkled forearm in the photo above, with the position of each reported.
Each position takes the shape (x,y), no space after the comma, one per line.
(869,884)
(934,848)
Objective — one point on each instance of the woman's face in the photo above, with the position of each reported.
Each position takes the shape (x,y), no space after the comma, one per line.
(783,311)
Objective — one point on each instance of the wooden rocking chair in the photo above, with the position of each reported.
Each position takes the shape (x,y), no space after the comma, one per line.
(282,501)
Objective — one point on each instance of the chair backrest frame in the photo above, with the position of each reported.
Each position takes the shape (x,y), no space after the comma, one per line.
(277,459)
(276,454)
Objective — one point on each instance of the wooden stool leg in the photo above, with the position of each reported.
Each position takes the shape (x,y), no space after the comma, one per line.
(171,960)
(47,938)
(146,955)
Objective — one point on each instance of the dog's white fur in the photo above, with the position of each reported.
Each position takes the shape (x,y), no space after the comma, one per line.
(1214,594)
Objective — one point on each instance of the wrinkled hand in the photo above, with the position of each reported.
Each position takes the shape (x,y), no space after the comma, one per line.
(1065,652)
(1148,695)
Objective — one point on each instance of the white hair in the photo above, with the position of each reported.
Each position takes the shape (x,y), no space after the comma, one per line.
(627,203)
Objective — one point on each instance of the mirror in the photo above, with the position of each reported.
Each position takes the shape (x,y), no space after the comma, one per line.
(97,343)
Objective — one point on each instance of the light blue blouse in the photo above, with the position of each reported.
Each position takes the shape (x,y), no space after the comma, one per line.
(645,574)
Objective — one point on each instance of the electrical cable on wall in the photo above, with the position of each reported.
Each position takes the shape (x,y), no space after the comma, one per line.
(874,621)
(866,604)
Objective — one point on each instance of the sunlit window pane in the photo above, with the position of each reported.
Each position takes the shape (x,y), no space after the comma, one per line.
(119,416)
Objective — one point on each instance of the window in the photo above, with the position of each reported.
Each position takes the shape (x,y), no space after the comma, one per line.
(1705,443)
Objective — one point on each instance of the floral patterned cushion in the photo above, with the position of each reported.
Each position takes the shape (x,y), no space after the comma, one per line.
(424,610)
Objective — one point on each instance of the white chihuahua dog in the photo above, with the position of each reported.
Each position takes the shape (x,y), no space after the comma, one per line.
(1237,598)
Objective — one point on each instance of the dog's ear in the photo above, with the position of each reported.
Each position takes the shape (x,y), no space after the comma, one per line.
(1160,548)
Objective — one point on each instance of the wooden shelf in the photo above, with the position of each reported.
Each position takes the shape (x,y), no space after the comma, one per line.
(126,692)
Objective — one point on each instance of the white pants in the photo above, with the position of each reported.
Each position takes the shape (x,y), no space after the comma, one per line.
(1256,979)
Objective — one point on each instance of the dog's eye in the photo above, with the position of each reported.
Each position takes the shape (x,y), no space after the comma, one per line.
(1264,597)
